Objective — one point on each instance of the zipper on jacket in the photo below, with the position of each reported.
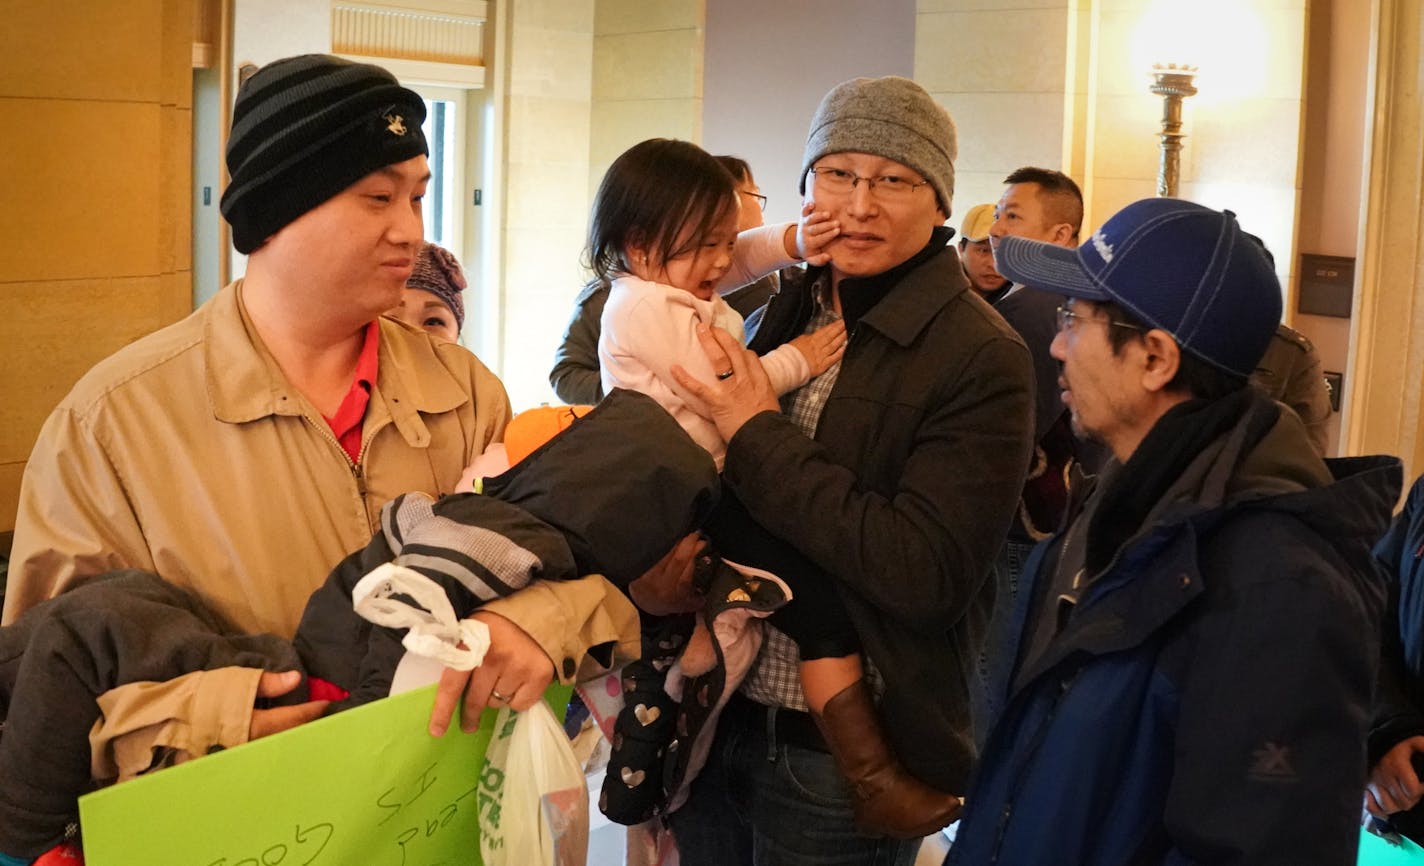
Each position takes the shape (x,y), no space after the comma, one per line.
(1064,685)
(356,474)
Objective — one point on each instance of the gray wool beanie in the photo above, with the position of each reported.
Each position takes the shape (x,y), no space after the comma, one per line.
(891,117)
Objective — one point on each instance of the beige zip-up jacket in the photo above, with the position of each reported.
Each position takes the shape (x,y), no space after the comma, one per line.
(190,455)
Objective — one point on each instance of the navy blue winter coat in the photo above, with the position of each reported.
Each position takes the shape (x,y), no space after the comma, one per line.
(1399,706)
(1208,698)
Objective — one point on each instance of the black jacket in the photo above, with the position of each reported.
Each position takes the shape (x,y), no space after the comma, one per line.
(610,495)
(906,492)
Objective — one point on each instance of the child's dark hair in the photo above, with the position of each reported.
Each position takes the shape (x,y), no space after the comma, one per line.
(649,196)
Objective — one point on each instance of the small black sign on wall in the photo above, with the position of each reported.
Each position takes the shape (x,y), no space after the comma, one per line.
(1327,285)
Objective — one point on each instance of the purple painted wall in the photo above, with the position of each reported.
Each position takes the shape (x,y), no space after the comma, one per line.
(769,62)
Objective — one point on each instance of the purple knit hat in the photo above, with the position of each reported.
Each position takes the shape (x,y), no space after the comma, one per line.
(436,271)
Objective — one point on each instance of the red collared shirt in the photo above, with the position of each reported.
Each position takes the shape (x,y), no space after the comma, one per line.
(346,424)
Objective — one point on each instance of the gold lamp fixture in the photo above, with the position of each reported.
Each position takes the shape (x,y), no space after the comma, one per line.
(1172,82)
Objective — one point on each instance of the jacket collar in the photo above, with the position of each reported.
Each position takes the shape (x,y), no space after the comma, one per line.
(1265,462)
(244,382)
(413,380)
(898,303)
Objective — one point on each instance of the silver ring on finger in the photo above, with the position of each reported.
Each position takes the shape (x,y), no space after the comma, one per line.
(494,693)
(726,375)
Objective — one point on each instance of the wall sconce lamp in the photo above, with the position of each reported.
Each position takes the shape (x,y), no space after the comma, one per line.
(1172,82)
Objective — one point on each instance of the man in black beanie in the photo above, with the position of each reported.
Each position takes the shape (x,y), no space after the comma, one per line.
(244,451)
(896,472)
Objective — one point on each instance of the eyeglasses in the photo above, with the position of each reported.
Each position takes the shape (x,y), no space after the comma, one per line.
(760,199)
(885,186)
(1068,320)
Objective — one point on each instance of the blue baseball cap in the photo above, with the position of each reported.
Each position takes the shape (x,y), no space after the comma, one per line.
(1174,264)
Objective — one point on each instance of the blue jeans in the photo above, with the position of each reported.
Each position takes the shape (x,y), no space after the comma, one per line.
(757,803)
(1001,644)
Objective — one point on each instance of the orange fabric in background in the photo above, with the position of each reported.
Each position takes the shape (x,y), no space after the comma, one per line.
(533,427)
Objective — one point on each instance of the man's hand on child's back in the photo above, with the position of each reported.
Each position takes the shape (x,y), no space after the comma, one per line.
(735,396)
(278,719)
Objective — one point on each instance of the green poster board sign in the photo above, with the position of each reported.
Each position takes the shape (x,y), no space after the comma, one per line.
(366,786)
(1375,851)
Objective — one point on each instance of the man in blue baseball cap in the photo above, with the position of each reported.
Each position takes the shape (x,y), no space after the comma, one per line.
(1194,651)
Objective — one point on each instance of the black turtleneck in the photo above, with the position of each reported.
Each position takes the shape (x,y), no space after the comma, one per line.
(859,294)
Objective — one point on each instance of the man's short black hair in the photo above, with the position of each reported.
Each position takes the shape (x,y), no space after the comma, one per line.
(1194,376)
(1062,198)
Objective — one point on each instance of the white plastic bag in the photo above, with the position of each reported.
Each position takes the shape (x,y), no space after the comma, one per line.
(533,797)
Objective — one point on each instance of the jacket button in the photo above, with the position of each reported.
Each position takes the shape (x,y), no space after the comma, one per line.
(1186,581)
(569,669)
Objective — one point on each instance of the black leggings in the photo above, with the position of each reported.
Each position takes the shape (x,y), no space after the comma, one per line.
(816,618)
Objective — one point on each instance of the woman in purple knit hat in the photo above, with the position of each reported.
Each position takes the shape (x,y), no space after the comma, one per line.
(433,299)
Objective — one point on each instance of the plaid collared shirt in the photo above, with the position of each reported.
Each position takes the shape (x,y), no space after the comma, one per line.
(775,678)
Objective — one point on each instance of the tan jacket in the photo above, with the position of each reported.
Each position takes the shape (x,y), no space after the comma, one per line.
(1291,373)
(189,454)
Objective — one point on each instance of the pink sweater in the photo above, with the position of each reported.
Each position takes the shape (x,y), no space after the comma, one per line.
(648,327)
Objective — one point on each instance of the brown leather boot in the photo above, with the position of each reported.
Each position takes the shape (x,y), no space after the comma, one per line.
(889,801)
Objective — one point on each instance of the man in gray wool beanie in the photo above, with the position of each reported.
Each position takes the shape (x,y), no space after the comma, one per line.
(891,117)
(896,474)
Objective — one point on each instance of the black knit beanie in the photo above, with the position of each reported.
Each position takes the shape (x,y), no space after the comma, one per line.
(304,129)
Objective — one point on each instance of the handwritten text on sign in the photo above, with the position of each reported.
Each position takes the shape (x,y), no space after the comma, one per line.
(366,786)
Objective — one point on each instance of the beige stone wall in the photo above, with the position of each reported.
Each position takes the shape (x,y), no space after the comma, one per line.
(1063,84)
(96,216)
(647,76)
(548,69)
(584,80)
(1385,404)
(97,257)
(1247,124)
(1002,68)
(267,30)
(1332,165)
(1243,128)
